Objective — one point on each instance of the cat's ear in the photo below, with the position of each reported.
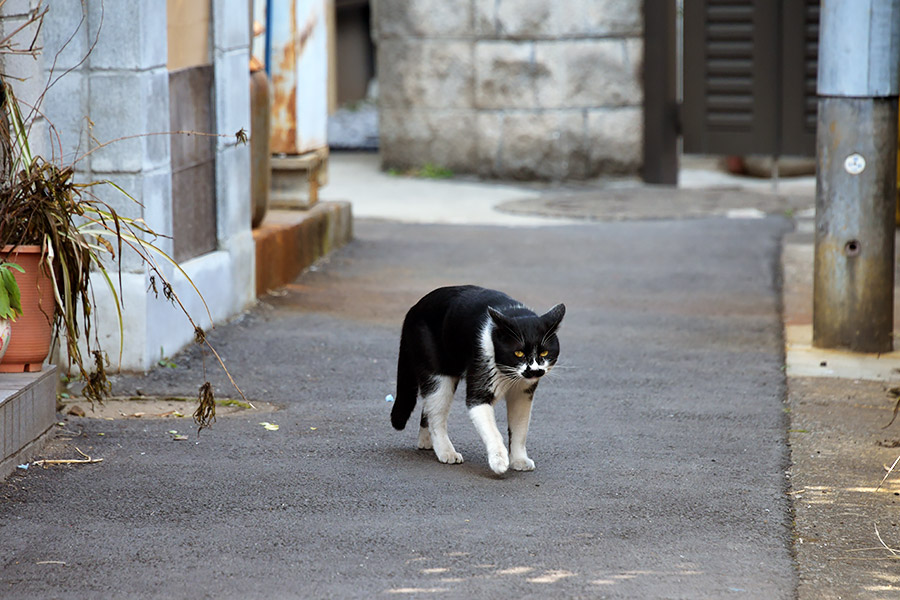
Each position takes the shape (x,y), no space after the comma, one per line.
(500,320)
(553,317)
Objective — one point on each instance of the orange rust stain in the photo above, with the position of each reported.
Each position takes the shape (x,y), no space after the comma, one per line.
(284,84)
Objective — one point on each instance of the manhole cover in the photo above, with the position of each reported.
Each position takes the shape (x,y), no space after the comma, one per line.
(151,407)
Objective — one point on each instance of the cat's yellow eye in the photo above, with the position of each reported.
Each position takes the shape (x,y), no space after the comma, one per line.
(545,353)
(519,353)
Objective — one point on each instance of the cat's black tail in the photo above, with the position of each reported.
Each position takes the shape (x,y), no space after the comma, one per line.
(407,386)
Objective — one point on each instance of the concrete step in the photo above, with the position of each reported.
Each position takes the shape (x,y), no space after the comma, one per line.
(289,241)
(27,413)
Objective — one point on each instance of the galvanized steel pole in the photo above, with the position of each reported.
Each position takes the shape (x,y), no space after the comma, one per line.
(858,86)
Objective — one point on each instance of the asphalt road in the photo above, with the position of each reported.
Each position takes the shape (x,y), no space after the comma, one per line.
(659,440)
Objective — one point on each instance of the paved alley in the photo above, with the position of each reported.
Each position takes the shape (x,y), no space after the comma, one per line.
(659,439)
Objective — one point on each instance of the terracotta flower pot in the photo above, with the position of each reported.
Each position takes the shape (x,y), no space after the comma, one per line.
(31,333)
(5,330)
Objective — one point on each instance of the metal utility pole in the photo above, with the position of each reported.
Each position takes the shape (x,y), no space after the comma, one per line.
(858,86)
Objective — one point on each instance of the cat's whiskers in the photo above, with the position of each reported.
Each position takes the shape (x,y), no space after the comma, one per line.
(509,372)
(549,375)
(504,379)
(563,366)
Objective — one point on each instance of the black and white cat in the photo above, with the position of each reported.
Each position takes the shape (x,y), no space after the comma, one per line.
(501,348)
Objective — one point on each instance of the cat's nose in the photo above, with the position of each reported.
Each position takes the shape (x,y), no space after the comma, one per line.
(532,373)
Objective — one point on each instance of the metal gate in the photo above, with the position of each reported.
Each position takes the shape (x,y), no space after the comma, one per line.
(749,74)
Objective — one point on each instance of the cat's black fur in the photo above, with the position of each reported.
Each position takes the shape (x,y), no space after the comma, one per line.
(474,333)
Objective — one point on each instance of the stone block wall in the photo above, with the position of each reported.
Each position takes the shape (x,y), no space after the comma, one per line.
(520,89)
(111,82)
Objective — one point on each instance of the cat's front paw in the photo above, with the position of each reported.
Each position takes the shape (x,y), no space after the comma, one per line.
(451,457)
(522,464)
(499,462)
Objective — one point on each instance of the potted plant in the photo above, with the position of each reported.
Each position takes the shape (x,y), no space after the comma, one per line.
(31,335)
(10,302)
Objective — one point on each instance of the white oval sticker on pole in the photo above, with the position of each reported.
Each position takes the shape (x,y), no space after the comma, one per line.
(855,164)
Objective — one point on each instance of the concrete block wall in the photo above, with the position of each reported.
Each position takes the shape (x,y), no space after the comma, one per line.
(231,59)
(25,73)
(66,45)
(118,89)
(111,87)
(521,89)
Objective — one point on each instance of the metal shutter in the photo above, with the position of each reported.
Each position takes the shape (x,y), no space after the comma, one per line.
(748,68)
(800,64)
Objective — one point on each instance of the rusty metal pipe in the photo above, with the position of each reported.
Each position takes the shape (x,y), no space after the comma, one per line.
(260,153)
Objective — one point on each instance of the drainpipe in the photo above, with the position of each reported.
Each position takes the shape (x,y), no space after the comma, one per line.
(856,147)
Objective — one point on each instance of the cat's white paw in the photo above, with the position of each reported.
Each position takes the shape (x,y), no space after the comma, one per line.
(424,439)
(499,462)
(451,457)
(522,464)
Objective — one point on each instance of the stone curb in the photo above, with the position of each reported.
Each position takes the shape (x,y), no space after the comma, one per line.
(27,412)
(289,241)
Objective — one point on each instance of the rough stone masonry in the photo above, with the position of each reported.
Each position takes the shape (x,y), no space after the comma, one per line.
(515,89)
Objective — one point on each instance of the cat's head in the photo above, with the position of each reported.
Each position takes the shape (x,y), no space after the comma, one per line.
(526,347)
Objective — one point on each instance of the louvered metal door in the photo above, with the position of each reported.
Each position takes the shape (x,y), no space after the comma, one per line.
(799,69)
(749,77)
